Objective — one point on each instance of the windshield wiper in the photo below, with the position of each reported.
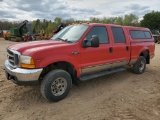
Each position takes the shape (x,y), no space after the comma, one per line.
(65,40)
(60,39)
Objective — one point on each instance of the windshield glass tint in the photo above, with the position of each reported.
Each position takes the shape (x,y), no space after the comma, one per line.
(71,33)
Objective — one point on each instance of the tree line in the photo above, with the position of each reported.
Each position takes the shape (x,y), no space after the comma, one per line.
(150,20)
(6,25)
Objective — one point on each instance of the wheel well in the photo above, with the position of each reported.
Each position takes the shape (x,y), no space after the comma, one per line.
(146,55)
(60,65)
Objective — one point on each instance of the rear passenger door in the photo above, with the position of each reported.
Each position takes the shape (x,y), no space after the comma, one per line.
(121,47)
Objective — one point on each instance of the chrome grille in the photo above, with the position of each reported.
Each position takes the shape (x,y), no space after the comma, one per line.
(13,58)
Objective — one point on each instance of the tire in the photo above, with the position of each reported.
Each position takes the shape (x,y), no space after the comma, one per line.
(140,66)
(56,85)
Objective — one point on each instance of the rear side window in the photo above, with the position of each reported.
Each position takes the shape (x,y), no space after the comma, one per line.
(118,35)
(140,34)
(147,34)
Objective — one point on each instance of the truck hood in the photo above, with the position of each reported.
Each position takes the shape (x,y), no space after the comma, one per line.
(29,47)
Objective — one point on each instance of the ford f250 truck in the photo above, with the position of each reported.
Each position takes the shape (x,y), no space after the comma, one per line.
(78,53)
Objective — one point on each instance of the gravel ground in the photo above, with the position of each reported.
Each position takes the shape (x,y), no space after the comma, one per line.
(118,96)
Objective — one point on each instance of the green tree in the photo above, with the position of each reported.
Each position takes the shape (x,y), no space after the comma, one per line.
(44,24)
(94,20)
(57,21)
(108,20)
(113,20)
(151,20)
(130,20)
(69,21)
(119,21)
(51,26)
(34,26)
(38,24)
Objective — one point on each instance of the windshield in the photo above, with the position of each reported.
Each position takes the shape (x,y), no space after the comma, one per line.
(71,33)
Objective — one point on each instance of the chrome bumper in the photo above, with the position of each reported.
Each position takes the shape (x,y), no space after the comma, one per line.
(20,75)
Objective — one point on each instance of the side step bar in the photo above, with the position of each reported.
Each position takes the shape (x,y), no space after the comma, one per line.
(102,73)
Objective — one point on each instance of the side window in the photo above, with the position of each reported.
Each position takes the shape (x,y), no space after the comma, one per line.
(140,34)
(137,34)
(118,35)
(101,32)
(147,34)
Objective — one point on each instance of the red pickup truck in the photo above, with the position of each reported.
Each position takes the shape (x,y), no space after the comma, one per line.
(78,53)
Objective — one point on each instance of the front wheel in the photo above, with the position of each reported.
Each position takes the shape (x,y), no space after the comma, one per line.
(140,66)
(56,85)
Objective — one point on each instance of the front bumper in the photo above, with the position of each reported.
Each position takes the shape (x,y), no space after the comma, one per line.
(22,76)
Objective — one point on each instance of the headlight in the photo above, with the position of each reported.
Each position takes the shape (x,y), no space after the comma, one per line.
(26,62)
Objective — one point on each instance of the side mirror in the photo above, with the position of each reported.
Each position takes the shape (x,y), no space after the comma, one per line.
(93,42)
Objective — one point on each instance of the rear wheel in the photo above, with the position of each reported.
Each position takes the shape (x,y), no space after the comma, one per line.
(56,85)
(140,66)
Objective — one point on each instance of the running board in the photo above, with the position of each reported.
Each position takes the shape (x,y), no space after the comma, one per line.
(102,73)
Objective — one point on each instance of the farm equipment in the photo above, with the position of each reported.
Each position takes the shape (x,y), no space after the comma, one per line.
(42,35)
(6,35)
(22,33)
(1,33)
(47,36)
(156,38)
(60,27)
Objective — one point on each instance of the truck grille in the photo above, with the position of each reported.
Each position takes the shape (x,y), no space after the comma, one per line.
(13,58)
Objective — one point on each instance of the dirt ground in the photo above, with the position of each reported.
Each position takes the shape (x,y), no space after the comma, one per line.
(119,96)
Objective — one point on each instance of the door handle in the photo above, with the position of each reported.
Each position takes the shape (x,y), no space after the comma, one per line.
(110,49)
(75,53)
(127,48)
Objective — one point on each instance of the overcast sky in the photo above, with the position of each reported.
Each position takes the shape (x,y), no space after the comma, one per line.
(76,9)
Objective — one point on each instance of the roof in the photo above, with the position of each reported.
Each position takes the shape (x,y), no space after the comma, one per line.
(118,26)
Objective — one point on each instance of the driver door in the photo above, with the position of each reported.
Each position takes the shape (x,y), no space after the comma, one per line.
(99,58)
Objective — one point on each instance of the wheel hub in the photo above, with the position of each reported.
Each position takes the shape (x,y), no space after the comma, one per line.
(58,87)
(142,65)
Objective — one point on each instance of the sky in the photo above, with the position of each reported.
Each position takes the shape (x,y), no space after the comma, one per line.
(16,10)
